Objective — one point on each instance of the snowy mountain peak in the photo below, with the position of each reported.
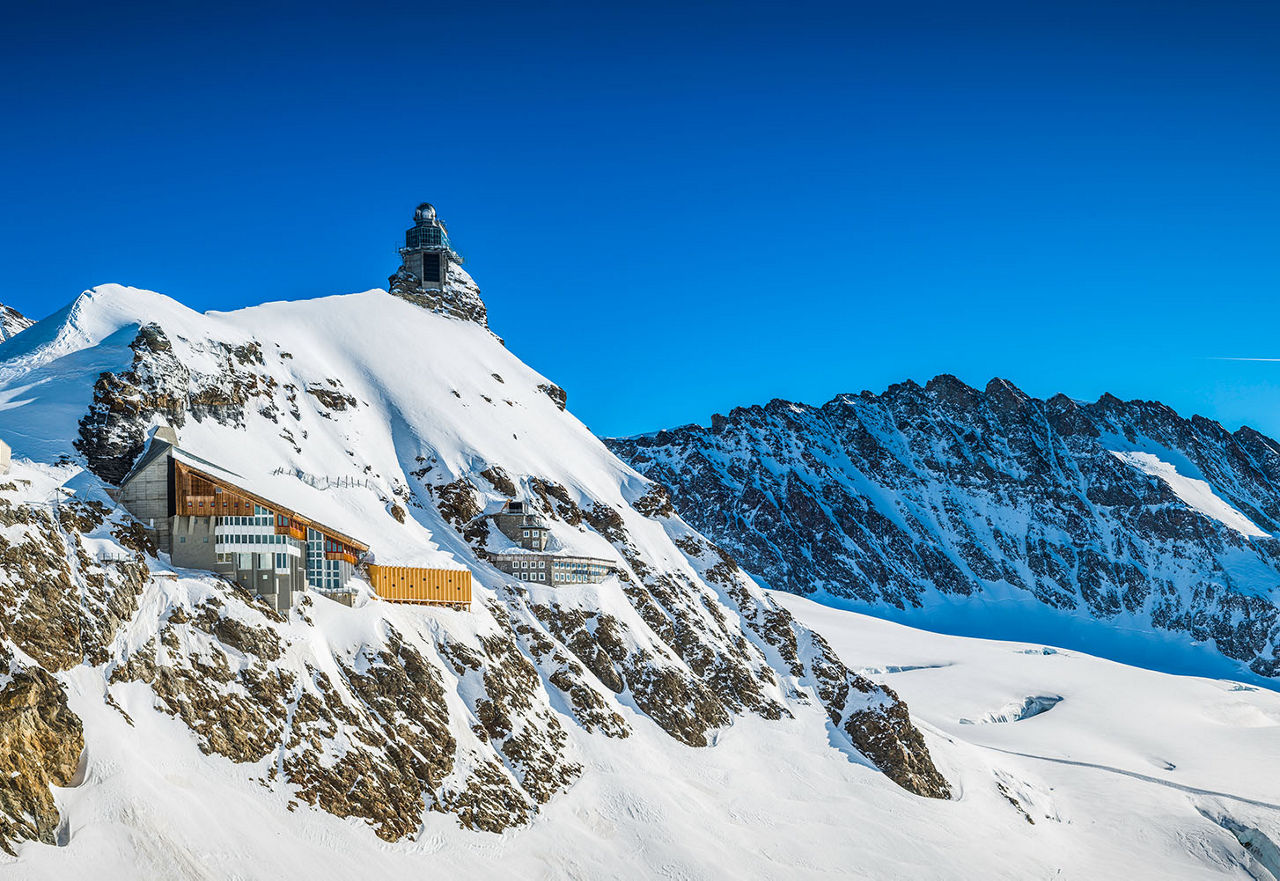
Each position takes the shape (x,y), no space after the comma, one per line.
(430,272)
(12,322)
(399,426)
(1116,524)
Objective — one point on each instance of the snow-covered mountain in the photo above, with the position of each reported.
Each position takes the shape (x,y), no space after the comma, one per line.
(1116,526)
(12,321)
(674,721)
(398,422)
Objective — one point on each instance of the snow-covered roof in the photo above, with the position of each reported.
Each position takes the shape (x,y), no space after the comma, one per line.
(222,475)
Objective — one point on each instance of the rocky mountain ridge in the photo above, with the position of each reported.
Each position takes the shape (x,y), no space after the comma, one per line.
(407,423)
(931,499)
(12,322)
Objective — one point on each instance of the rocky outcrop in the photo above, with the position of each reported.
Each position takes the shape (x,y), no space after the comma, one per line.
(555,393)
(160,384)
(886,736)
(460,297)
(60,604)
(875,720)
(375,741)
(689,655)
(40,745)
(950,491)
(12,321)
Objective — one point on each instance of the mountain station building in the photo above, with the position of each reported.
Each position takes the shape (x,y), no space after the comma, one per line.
(527,529)
(204,518)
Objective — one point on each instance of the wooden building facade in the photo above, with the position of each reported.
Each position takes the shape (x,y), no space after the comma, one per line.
(410,584)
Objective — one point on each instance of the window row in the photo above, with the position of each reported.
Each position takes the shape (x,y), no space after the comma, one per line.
(267,520)
(253,538)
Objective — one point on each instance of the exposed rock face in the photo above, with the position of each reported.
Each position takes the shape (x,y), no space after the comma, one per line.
(59,604)
(376,741)
(396,712)
(555,393)
(688,655)
(40,745)
(12,321)
(113,432)
(946,490)
(460,297)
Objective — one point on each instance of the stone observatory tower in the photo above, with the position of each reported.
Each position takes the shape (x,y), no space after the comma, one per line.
(427,254)
(431,273)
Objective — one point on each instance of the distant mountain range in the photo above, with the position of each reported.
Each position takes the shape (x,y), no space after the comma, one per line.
(993,512)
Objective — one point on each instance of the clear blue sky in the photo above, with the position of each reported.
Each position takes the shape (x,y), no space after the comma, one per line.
(672,209)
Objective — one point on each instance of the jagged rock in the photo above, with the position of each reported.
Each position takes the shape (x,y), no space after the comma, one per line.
(40,745)
(330,398)
(12,321)
(655,502)
(499,480)
(60,605)
(113,432)
(555,393)
(947,490)
(460,297)
(886,736)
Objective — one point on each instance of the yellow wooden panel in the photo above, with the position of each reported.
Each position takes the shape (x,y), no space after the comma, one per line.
(408,584)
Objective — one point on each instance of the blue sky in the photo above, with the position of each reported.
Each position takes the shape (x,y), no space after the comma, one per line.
(675,209)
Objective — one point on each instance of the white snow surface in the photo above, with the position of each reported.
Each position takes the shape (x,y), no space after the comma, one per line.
(1195,492)
(1132,774)
(421,381)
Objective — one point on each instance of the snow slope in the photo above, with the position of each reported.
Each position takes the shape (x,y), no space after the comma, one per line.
(206,718)
(673,721)
(1196,493)
(1135,774)
(1168,765)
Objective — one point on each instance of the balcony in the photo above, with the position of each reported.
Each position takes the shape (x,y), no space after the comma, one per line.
(454,256)
(291,528)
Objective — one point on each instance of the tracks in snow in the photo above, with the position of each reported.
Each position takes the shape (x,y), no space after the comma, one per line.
(1193,790)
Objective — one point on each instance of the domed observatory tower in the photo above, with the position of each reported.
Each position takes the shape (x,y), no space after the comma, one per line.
(431,273)
(427,253)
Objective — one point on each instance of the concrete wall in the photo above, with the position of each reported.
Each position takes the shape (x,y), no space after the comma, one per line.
(514,525)
(554,568)
(412,261)
(195,547)
(193,543)
(146,497)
